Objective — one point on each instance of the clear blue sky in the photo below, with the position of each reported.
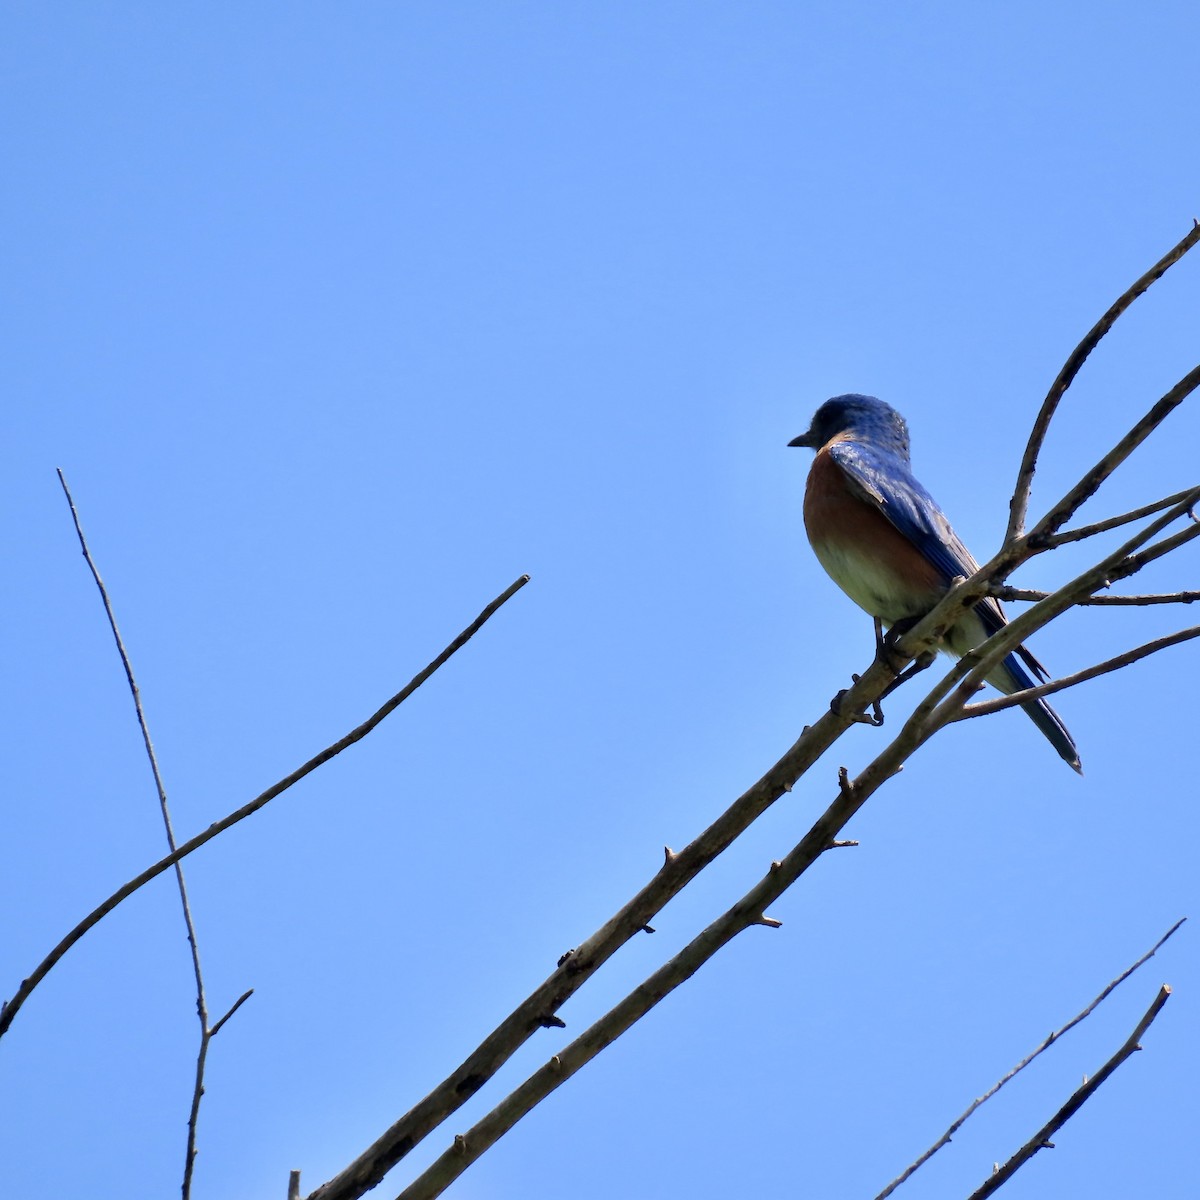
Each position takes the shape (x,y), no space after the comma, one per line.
(339,318)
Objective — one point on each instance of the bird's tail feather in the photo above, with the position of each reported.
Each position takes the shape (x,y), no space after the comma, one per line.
(1012,678)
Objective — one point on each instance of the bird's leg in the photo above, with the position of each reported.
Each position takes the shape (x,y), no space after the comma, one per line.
(875,717)
(886,650)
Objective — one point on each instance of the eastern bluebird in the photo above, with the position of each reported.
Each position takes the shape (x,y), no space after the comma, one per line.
(885,542)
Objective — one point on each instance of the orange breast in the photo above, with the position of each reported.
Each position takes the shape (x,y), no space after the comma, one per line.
(863,552)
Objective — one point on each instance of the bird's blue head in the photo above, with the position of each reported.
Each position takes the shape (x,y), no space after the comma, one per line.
(863,418)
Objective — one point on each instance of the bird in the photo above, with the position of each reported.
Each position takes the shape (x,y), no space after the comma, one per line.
(883,539)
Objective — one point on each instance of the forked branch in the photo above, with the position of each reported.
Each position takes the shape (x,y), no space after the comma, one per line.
(206,1032)
(1019,505)
(13,1006)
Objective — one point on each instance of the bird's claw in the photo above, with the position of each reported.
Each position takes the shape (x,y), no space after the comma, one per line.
(885,644)
(837,707)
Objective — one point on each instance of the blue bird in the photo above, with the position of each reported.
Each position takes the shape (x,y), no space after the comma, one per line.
(885,542)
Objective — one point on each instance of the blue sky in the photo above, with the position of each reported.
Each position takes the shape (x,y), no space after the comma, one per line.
(339,318)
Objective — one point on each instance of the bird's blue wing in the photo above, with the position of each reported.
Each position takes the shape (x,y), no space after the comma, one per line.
(884,481)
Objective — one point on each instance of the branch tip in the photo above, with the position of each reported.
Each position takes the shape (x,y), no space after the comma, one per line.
(236,1005)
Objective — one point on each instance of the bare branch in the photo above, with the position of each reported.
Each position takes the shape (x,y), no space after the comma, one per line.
(1136,562)
(1041,1139)
(983,707)
(577,966)
(942,705)
(1019,505)
(1028,594)
(1058,1033)
(1049,525)
(851,796)
(212,1033)
(13,1006)
(294,1185)
(371,1166)
(189,1158)
(1136,514)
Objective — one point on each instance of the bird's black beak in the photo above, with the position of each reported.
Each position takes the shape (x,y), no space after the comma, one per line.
(805,440)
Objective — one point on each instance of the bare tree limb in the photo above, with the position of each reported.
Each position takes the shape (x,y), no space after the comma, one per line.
(1125,561)
(983,707)
(578,965)
(13,1006)
(1050,1040)
(943,704)
(1029,594)
(748,911)
(1136,562)
(1041,1139)
(1136,514)
(294,1185)
(1019,505)
(369,1168)
(1041,535)
(189,1160)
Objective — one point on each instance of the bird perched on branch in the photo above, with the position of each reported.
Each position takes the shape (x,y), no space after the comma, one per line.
(885,542)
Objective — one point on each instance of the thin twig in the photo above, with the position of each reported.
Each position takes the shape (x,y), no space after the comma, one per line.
(1041,1139)
(1042,534)
(189,924)
(983,707)
(1136,514)
(1019,505)
(943,704)
(13,1006)
(1058,1033)
(1119,565)
(1029,594)
(212,1033)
